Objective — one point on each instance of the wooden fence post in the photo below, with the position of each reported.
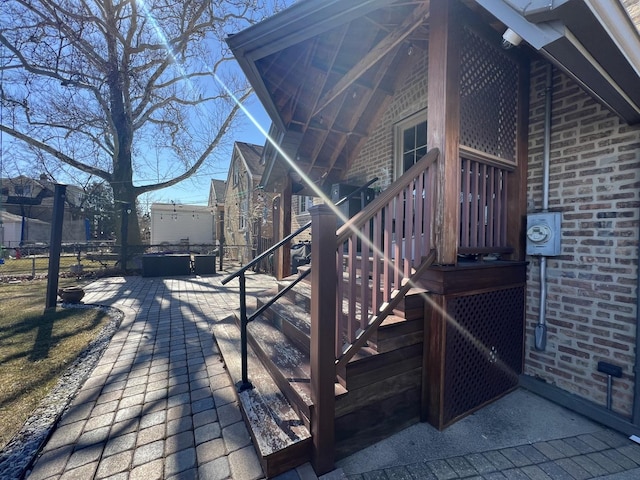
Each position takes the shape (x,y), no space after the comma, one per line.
(323,334)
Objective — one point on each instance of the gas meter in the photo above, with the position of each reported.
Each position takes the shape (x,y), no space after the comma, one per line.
(543,233)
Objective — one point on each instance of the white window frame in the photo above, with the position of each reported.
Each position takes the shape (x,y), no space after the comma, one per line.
(398,136)
(304,203)
(244,213)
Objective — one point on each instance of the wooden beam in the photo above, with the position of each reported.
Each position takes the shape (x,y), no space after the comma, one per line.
(282,224)
(443,123)
(517,180)
(415,20)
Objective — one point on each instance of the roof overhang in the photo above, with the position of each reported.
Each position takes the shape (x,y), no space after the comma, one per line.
(301,21)
(593,41)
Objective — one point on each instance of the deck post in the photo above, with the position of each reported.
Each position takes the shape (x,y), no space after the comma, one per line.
(443,123)
(323,334)
(282,224)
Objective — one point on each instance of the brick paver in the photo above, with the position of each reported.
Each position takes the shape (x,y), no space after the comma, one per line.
(160,405)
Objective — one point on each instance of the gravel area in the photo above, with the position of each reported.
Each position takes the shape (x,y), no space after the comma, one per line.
(20,452)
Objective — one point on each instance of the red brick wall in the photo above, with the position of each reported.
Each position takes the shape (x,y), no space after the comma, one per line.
(591,303)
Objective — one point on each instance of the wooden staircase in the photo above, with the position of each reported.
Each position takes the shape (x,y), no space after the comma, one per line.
(359,332)
(377,393)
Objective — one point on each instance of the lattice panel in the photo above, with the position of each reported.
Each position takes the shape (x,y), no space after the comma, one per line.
(484,349)
(488,97)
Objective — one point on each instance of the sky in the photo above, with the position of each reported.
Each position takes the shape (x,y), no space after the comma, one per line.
(195,190)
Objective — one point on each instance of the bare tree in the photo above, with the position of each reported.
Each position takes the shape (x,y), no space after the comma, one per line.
(119,88)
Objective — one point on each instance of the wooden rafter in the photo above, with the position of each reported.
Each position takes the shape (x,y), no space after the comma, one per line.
(359,110)
(388,43)
(343,34)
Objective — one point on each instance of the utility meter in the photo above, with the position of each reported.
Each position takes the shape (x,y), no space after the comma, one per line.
(543,233)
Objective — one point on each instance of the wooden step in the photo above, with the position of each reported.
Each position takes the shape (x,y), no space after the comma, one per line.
(300,294)
(287,364)
(292,319)
(411,307)
(396,332)
(365,369)
(280,436)
(405,327)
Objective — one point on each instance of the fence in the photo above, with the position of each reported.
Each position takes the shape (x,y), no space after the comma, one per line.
(86,259)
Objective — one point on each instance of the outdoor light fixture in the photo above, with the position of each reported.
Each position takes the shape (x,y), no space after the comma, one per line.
(510,39)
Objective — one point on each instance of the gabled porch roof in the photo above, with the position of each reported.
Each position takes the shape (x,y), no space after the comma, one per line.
(326,69)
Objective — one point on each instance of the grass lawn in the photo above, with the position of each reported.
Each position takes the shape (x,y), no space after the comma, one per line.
(36,347)
(40,265)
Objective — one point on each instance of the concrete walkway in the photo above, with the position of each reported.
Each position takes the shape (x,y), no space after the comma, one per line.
(160,405)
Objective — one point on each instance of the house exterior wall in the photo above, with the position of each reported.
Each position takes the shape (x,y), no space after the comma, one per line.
(298,219)
(376,157)
(244,205)
(595,182)
(591,302)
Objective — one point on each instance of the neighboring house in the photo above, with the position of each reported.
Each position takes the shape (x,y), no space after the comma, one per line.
(543,120)
(32,201)
(13,230)
(217,191)
(182,225)
(247,217)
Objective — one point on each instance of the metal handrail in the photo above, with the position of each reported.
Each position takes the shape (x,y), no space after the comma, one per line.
(245,384)
(279,295)
(292,235)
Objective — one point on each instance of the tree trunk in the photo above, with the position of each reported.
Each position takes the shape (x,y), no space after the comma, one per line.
(128,235)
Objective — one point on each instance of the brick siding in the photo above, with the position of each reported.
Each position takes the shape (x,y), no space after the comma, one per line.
(591,302)
(376,157)
(239,242)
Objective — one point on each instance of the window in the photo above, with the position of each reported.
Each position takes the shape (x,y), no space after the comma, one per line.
(244,213)
(304,203)
(236,174)
(410,142)
(22,190)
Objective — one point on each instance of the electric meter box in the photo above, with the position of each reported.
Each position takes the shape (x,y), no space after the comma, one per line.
(543,233)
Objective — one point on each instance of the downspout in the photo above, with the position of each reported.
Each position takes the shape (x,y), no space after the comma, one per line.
(541,327)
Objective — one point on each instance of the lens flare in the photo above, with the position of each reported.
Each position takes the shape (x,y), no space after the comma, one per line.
(490,352)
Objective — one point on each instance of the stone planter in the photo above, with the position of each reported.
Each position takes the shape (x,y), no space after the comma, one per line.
(71,294)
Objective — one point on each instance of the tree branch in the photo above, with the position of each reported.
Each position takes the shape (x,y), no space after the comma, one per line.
(219,136)
(56,153)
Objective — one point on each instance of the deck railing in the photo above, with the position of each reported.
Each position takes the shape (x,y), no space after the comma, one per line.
(378,251)
(483,208)
(240,275)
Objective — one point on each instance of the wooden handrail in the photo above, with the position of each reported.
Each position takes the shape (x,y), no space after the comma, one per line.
(385,197)
(292,235)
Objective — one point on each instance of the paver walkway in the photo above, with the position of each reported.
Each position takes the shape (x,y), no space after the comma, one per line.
(160,405)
